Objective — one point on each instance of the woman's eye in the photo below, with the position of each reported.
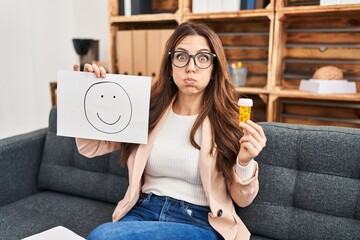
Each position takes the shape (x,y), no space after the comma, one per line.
(203,58)
(181,57)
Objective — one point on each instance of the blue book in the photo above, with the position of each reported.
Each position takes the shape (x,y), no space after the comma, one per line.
(250,4)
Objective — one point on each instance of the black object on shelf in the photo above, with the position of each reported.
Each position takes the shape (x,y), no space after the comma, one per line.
(87,49)
(82,46)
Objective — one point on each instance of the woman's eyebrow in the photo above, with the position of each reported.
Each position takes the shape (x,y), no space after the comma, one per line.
(201,50)
(204,50)
(181,49)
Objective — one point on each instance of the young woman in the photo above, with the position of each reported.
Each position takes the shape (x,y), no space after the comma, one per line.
(198,159)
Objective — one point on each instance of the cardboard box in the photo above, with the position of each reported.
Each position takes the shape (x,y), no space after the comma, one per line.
(164,6)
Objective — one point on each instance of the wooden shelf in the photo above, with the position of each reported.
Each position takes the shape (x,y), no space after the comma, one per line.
(305,39)
(309,95)
(143,18)
(257,13)
(280,45)
(303,6)
(250,90)
(310,10)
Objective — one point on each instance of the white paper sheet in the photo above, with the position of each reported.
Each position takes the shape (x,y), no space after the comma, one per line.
(56,233)
(115,108)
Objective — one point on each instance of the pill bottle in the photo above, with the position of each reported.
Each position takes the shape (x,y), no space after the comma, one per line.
(245,105)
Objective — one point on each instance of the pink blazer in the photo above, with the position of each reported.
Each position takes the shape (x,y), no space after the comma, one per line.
(222,218)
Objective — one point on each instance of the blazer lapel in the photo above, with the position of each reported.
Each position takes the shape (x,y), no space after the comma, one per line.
(205,158)
(210,176)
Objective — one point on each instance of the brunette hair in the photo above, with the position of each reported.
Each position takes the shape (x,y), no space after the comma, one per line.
(219,100)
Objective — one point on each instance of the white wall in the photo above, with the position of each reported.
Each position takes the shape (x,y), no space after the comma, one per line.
(35,42)
(91,21)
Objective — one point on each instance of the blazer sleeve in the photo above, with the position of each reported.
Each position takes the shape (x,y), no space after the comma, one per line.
(92,148)
(243,193)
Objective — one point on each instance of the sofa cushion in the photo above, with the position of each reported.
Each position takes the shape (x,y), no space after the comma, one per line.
(64,170)
(46,210)
(309,184)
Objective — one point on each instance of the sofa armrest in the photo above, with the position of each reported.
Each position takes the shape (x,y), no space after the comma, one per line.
(20,158)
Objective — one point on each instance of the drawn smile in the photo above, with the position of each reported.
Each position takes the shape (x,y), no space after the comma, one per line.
(107,122)
(108,107)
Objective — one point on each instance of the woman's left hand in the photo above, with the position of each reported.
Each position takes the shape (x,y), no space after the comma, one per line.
(251,143)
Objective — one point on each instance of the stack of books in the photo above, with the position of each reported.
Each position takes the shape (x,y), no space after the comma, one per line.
(134,7)
(205,6)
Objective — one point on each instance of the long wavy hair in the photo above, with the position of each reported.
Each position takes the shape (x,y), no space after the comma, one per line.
(219,100)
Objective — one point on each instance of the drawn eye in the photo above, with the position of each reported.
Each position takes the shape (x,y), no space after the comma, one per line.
(114,96)
(102,96)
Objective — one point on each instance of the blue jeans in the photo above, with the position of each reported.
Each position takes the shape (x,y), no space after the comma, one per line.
(156,217)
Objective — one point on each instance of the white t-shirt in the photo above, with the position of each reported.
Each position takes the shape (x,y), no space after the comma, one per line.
(173,166)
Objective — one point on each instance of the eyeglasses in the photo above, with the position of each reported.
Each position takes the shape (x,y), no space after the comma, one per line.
(202,60)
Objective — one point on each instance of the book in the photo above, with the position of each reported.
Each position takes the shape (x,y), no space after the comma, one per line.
(199,6)
(214,6)
(243,4)
(127,7)
(55,233)
(327,86)
(230,5)
(204,6)
(141,7)
(259,4)
(122,7)
(134,7)
(250,4)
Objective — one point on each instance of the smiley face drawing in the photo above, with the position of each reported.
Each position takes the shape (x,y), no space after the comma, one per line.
(107,107)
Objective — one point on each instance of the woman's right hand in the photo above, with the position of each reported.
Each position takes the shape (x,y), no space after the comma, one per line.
(98,70)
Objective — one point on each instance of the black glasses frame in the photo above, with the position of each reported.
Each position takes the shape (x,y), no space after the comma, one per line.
(171,55)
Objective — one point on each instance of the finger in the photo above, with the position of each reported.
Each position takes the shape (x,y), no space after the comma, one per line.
(254,130)
(251,132)
(76,67)
(251,150)
(96,70)
(247,152)
(258,128)
(88,68)
(256,144)
(102,72)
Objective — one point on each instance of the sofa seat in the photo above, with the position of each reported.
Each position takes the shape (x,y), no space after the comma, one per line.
(37,213)
(309,181)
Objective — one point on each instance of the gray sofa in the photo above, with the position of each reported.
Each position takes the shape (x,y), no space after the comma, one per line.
(309,184)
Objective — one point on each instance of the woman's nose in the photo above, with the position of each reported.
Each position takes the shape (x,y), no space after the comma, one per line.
(191,65)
